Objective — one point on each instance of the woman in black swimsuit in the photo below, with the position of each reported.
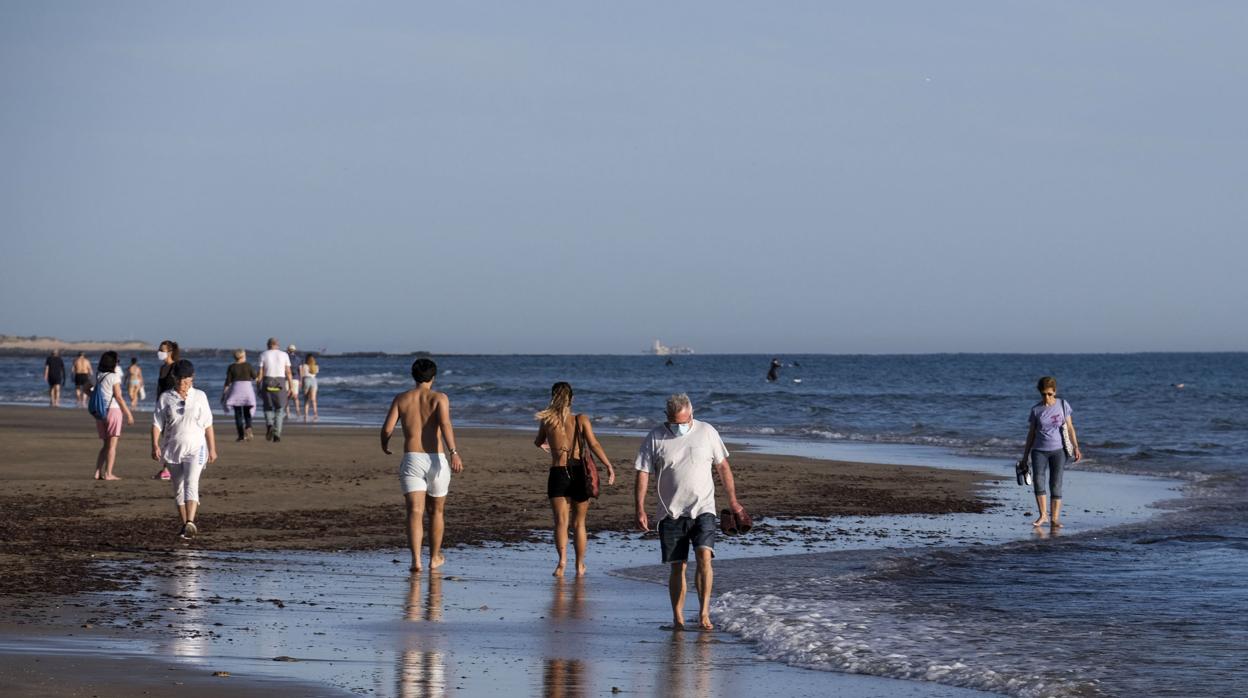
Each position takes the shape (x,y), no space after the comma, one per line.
(562,433)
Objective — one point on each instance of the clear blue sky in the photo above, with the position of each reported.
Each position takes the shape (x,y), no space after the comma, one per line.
(586,177)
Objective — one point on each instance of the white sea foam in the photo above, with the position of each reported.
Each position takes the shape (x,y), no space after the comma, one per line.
(366,380)
(860,636)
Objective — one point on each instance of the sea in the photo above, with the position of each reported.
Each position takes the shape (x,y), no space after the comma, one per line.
(1158,607)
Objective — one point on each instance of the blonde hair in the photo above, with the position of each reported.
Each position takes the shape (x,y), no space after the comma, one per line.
(312,367)
(239,354)
(556,414)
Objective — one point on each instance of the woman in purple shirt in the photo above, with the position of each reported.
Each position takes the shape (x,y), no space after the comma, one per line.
(1046,450)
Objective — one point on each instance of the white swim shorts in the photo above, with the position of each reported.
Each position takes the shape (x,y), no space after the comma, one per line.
(425,472)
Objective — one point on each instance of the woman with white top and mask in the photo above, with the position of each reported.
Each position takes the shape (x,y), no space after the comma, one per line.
(182,440)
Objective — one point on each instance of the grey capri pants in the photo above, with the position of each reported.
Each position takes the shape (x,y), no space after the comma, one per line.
(1052,463)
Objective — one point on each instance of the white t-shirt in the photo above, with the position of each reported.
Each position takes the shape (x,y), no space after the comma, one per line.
(685,482)
(182,424)
(274,363)
(106,382)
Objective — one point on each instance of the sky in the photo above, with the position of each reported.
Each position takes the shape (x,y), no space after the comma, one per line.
(586,177)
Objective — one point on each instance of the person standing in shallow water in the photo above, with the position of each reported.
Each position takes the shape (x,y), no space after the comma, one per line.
(563,435)
(424,472)
(54,376)
(82,379)
(134,381)
(682,453)
(1045,450)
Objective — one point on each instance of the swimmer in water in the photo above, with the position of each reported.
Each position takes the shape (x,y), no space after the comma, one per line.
(774,372)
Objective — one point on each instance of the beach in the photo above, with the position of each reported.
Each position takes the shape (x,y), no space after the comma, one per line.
(892,553)
(87,559)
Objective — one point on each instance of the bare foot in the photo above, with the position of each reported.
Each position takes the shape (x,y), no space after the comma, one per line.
(436,562)
(678,624)
(1040,521)
(558,570)
(580,569)
(97,477)
(1056,524)
(111,477)
(705,623)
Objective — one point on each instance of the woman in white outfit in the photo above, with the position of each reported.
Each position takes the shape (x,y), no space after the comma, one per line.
(183,441)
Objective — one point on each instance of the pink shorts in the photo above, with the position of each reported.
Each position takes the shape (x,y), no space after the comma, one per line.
(111,426)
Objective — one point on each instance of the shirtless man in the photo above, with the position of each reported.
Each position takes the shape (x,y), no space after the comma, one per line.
(424,471)
(82,379)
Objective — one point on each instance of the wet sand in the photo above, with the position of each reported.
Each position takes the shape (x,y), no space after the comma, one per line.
(66,539)
(332,488)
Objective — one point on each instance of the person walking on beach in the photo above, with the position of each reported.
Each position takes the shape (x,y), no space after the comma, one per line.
(275,381)
(134,381)
(424,472)
(1050,433)
(240,393)
(565,435)
(307,382)
(108,380)
(681,454)
(182,439)
(167,353)
(54,376)
(296,366)
(82,379)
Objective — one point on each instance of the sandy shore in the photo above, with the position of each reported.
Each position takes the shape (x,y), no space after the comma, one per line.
(81,553)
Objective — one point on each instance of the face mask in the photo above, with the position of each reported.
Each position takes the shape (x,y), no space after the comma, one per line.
(162,355)
(681,429)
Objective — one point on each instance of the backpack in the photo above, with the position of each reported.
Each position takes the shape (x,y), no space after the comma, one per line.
(99,403)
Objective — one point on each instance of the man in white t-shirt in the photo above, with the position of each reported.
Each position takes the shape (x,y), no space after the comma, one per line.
(275,382)
(681,453)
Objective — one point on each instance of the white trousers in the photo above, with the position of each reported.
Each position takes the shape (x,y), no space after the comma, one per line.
(185,476)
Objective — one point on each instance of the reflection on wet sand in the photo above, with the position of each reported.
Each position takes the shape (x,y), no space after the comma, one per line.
(565,606)
(1044,532)
(563,677)
(186,586)
(422,671)
(685,669)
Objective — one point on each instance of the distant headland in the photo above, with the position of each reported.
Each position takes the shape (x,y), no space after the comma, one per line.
(32,344)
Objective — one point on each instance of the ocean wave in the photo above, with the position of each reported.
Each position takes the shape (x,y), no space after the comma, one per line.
(863,636)
(623,422)
(364,380)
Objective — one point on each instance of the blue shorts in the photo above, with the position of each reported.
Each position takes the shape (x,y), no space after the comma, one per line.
(675,535)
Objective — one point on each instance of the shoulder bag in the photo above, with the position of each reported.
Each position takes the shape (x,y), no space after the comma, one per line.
(592,486)
(1067,446)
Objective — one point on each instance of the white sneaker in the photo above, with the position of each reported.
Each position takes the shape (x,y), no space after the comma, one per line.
(189,530)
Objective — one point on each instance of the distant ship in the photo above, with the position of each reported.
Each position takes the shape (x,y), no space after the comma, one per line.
(659,349)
